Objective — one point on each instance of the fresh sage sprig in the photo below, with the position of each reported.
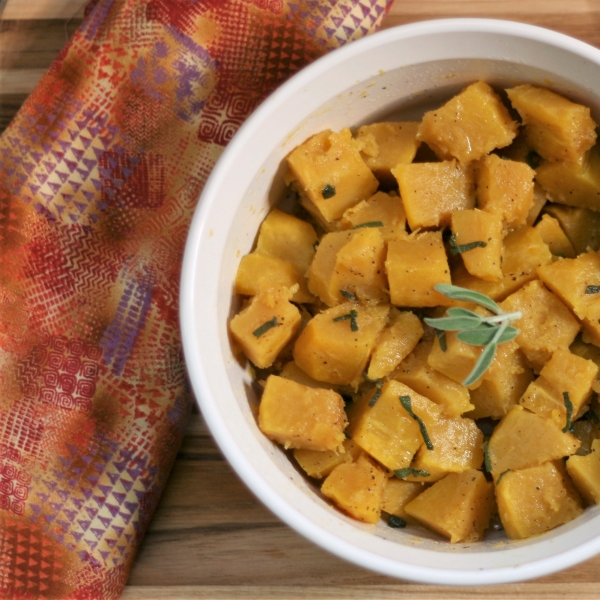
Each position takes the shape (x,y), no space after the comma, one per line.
(474,329)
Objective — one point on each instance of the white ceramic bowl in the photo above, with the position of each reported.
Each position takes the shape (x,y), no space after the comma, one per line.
(395,72)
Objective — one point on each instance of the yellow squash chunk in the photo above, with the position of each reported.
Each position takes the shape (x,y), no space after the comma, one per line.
(384,429)
(266,325)
(524,252)
(337,343)
(470,125)
(259,272)
(576,281)
(350,262)
(502,384)
(431,192)
(581,225)
(505,188)
(287,237)
(357,488)
(319,463)
(573,183)
(397,494)
(555,127)
(563,373)
(546,325)
(459,507)
(383,208)
(386,145)
(298,416)
(395,344)
(291,370)
(553,235)
(478,227)
(331,174)
(588,351)
(415,372)
(585,473)
(523,439)
(537,499)
(414,265)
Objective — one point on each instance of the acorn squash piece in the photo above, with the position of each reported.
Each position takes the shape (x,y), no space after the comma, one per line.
(386,145)
(396,342)
(414,266)
(298,416)
(349,263)
(576,281)
(330,174)
(319,463)
(383,428)
(523,439)
(585,473)
(556,128)
(524,252)
(357,488)
(397,494)
(553,235)
(537,499)
(459,507)
(478,227)
(505,189)
(287,237)
(337,343)
(468,126)
(431,192)
(581,225)
(415,372)
(546,325)
(266,325)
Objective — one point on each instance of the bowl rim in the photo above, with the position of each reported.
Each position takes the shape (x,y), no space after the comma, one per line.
(199,378)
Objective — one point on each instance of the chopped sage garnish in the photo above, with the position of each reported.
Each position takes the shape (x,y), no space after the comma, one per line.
(378,385)
(405,401)
(396,522)
(486,454)
(349,316)
(474,329)
(348,295)
(569,409)
(592,289)
(328,191)
(591,415)
(369,224)
(456,248)
(501,476)
(533,159)
(265,327)
(403,473)
(316,245)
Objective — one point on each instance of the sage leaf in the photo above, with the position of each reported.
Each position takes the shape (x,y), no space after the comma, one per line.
(454,323)
(483,362)
(455,292)
(483,335)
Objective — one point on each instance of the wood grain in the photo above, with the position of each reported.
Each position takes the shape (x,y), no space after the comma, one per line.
(210,538)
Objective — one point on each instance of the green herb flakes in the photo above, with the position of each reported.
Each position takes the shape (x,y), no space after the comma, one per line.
(569,409)
(348,295)
(405,401)
(369,224)
(592,289)
(349,316)
(461,248)
(396,522)
(265,327)
(407,471)
(328,191)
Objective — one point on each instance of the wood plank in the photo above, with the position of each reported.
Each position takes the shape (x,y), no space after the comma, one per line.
(42,9)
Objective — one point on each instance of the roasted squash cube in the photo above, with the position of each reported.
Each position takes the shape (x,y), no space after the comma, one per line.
(384,429)
(505,188)
(287,237)
(266,325)
(397,494)
(576,281)
(357,488)
(298,416)
(471,227)
(537,499)
(555,127)
(431,192)
(414,266)
(349,262)
(470,125)
(585,473)
(546,325)
(319,463)
(330,174)
(581,225)
(386,145)
(396,342)
(553,235)
(540,201)
(337,343)
(524,252)
(459,507)
(523,439)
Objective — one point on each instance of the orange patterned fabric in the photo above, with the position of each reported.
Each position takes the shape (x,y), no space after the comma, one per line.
(100,172)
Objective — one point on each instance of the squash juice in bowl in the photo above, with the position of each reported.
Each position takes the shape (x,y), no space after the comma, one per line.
(398,76)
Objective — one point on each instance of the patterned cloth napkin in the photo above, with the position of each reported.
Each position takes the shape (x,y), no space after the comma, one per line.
(99,174)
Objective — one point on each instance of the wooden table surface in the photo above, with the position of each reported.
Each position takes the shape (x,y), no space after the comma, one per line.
(210,538)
